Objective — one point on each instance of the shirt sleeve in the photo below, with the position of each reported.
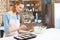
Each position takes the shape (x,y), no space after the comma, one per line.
(6,23)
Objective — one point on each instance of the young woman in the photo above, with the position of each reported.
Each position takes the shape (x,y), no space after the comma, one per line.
(11,20)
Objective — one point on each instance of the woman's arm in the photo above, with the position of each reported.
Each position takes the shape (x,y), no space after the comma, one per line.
(23,27)
(5,21)
(13,29)
(7,28)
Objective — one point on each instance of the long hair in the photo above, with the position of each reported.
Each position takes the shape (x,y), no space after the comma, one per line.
(15,3)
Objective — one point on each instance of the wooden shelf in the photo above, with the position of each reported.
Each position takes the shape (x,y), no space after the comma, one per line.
(31,0)
(33,5)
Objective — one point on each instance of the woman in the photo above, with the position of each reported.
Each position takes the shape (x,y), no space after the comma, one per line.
(11,20)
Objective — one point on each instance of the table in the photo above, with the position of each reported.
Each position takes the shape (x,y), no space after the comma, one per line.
(48,34)
(7,38)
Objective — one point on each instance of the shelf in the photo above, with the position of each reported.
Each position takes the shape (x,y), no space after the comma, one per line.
(31,0)
(33,5)
(3,6)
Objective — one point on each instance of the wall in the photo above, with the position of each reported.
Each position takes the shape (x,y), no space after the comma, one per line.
(0,18)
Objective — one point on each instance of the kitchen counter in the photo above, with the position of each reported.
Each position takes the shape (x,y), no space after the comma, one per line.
(7,38)
(48,34)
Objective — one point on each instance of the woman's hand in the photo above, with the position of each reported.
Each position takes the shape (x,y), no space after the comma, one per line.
(31,30)
(23,27)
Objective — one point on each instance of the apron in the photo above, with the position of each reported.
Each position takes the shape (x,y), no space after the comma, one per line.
(13,23)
